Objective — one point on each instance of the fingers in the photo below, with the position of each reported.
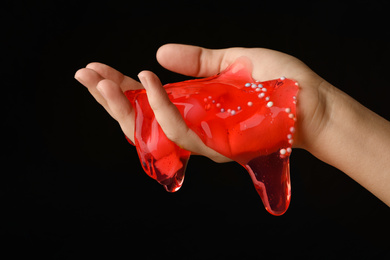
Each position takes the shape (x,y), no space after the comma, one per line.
(90,79)
(119,105)
(192,60)
(171,121)
(107,86)
(105,71)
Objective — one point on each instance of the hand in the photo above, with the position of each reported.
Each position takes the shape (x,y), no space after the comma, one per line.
(330,123)
(107,86)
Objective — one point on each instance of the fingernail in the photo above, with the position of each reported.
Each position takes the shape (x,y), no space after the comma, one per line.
(101,91)
(144,81)
(78,79)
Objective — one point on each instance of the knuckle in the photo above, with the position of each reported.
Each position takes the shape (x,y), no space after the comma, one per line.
(122,113)
(175,134)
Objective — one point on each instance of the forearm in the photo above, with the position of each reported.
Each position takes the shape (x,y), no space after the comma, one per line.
(356,141)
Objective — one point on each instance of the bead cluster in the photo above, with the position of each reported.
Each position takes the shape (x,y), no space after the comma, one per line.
(256,87)
(261,93)
(287,151)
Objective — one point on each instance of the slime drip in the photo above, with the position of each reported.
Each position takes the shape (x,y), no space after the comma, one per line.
(245,120)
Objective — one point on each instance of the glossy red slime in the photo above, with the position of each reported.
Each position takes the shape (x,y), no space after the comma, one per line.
(245,120)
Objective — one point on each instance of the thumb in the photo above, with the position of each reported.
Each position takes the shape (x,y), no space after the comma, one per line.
(192,60)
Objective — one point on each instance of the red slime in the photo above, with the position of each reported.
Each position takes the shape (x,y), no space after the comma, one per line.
(245,120)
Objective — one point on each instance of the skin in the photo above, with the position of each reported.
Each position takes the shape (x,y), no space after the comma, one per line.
(330,123)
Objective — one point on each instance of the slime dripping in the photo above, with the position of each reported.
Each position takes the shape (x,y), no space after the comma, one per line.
(245,120)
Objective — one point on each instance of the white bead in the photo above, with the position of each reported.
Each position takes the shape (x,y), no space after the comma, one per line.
(270,104)
(250,104)
(247,84)
(283,151)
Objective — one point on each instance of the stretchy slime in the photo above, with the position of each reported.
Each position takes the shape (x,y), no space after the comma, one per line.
(245,120)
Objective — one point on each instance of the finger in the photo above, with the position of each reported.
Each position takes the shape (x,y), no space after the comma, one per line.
(164,110)
(90,79)
(107,72)
(195,61)
(170,119)
(119,105)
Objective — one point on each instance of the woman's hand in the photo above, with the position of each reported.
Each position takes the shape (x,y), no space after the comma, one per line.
(331,125)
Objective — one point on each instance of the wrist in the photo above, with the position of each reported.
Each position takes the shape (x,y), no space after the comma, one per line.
(314,111)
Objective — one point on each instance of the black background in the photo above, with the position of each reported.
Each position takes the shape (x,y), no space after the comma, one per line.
(73,188)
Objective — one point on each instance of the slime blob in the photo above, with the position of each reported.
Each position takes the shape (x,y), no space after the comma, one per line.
(245,120)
